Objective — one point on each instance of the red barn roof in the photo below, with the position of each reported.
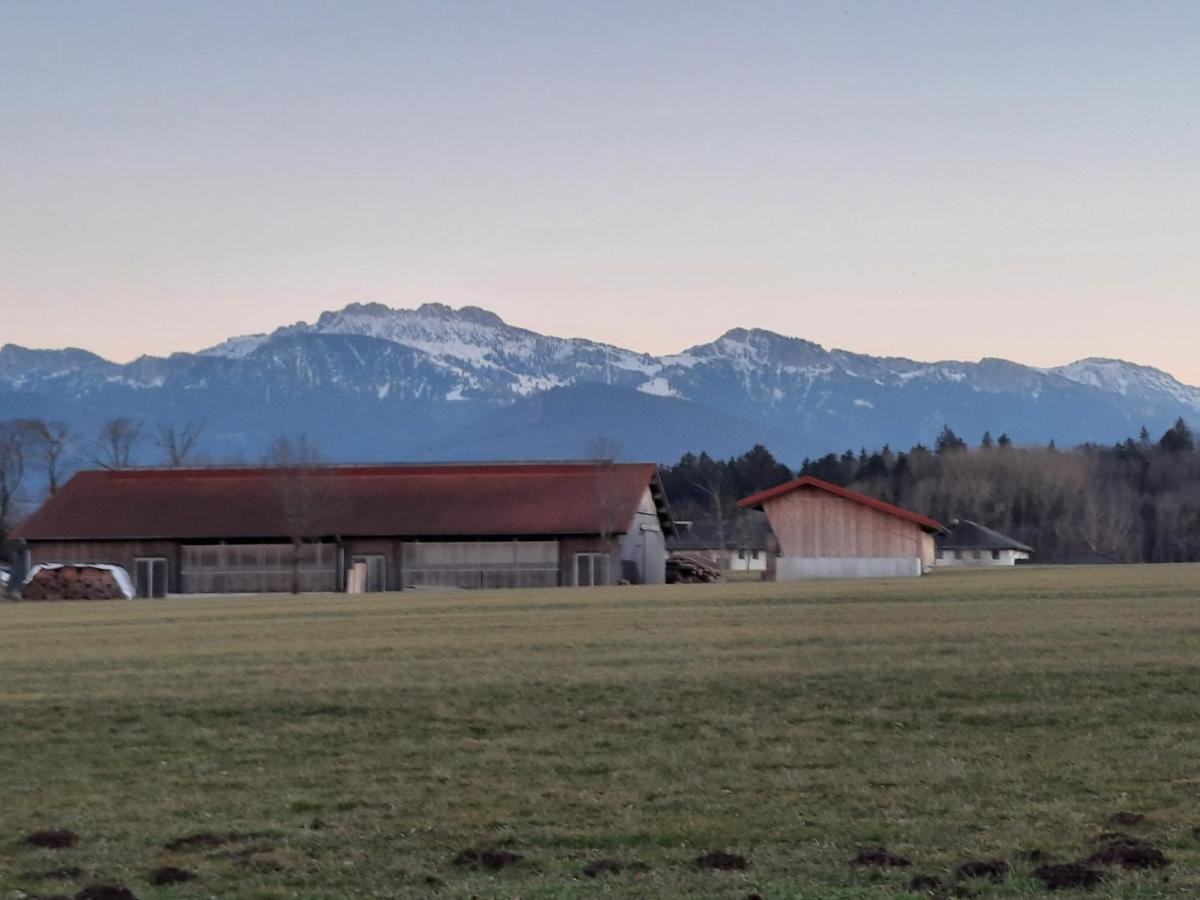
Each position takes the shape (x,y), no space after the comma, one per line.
(493,499)
(757,500)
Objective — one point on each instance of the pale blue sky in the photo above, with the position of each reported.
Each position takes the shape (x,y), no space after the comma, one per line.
(926,179)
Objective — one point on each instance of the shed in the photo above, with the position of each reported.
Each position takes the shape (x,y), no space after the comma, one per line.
(258,529)
(828,531)
(968,543)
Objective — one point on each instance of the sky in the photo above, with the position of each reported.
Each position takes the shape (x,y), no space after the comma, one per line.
(935,180)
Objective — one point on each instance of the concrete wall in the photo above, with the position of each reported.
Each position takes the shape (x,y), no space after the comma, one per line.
(802,568)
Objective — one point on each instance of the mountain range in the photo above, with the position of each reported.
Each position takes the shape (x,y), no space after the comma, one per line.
(368,382)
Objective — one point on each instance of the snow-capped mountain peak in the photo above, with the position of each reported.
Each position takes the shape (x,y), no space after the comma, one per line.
(370,379)
(1128,379)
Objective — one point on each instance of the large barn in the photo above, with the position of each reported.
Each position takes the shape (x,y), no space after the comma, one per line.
(235,530)
(827,531)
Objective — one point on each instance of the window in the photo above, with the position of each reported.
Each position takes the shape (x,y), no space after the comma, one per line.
(978,554)
(958,554)
(741,554)
(995,554)
(591,569)
(939,553)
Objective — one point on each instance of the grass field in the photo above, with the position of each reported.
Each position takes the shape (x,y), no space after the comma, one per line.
(356,745)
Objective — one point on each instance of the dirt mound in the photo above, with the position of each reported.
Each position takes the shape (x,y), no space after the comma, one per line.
(612,867)
(603,867)
(52,839)
(171,875)
(994,869)
(1032,855)
(207,840)
(492,860)
(1125,819)
(106,892)
(722,860)
(201,840)
(66,873)
(880,858)
(1068,876)
(1130,853)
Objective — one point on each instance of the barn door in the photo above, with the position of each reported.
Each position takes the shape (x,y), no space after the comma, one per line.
(376,572)
(150,576)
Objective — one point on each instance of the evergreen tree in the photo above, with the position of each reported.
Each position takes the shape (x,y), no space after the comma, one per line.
(948,442)
(1178,438)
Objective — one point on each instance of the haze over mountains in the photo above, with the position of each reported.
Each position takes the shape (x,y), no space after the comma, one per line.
(368,382)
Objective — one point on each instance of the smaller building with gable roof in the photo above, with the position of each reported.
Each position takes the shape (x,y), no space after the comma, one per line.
(968,543)
(827,531)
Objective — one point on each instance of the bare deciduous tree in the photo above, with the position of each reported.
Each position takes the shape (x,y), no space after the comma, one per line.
(116,442)
(178,442)
(12,471)
(48,442)
(295,459)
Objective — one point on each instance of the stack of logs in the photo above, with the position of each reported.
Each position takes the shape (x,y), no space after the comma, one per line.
(686,568)
(73,583)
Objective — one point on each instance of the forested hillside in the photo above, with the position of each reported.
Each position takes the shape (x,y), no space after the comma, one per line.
(1137,501)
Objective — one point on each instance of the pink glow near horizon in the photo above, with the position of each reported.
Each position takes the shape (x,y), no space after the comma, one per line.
(918,180)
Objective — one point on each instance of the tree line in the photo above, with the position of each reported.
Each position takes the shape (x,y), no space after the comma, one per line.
(1135,501)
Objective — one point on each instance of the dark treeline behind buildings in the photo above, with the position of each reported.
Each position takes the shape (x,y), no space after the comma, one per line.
(1138,501)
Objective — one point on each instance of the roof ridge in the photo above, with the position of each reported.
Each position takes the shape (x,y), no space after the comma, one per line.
(756,500)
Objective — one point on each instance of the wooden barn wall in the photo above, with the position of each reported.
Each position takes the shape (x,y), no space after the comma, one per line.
(388,548)
(812,523)
(113,553)
(569,546)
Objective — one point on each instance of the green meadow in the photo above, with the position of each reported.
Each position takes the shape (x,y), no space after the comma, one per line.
(331,746)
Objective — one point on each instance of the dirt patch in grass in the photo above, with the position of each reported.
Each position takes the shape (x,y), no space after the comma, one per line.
(53,839)
(1130,853)
(66,873)
(992,869)
(171,875)
(207,840)
(881,858)
(1126,819)
(599,867)
(1032,855)
(722,860)
(106,892)
(490,859)
(1068,876)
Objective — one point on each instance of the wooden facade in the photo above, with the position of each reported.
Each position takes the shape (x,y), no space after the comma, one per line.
(828,531)
(812,523)
(378,528)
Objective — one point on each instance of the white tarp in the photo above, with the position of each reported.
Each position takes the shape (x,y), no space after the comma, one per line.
(124,582)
